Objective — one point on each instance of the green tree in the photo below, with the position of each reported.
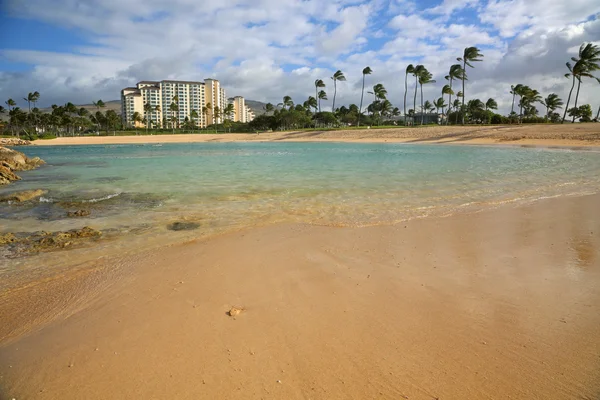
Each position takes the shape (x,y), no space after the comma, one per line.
(366,71)
(425,78)
(159,122)
(287,102)
(589,61)
(470,55)
(456,72)
(410,69)
(194,116)
(31,97)
(173,108)
(312,103)
(439,104)
(148,111)
(448,90)
(552,102)
(338,76)
(269,108)
(321,96)
(417,71)
(584,113)
(490,104)
(319,84)
(11,104)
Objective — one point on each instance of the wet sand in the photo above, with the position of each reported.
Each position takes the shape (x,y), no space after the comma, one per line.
(499,304)
(570,135)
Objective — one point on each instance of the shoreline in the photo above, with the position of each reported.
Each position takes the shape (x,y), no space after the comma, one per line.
(427,319)
(581,135)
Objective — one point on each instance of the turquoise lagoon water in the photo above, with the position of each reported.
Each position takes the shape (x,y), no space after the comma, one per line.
(138,190)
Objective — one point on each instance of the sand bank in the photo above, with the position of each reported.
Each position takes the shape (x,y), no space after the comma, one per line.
(494,305)
(571,135)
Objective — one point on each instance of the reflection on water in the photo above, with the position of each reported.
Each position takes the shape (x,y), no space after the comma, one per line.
(232,185)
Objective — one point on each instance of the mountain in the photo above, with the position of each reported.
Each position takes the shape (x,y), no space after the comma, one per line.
(110,105)
(256,106)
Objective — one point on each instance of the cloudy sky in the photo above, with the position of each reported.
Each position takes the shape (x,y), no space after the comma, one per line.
(83,50)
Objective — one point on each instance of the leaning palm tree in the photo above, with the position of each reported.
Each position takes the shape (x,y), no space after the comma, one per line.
(425,77)
(427,106)
(456,72)
(552,102)
(365,72)
(470,54)
(312,103)
(490,104)
(29,99)
(319,84)
(589,60)
(409,70)
(338,76)
(321,96)
(135,118)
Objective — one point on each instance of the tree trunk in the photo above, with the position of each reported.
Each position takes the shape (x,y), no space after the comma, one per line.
(334,93)
(415,99)
(568,101)
(449,103)
(462,108)
(405,90)
(422,110)
(362,93)
(577,96)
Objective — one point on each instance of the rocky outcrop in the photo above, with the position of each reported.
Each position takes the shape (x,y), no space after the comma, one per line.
(78,213)
(23,243)
(14,142)
(25,195)
(11,161)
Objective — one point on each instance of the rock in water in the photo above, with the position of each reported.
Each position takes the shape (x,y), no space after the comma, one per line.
(183,226)
(14,142)
(23,196)
(78,213)
(12,160)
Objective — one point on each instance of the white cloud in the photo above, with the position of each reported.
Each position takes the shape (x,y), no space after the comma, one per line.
(265,49)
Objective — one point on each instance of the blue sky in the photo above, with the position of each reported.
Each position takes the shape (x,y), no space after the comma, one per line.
(78,51)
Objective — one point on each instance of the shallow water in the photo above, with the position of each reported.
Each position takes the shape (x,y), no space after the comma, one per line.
(223,186)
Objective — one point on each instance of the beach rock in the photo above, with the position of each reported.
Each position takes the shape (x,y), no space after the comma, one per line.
(183,226)
(7,238)
(25,195)
(6,175)
(78,213)
(12,160)
(22,243)
(14,142)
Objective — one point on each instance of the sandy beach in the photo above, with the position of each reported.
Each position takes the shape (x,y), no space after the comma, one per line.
(570,135)
(498,304)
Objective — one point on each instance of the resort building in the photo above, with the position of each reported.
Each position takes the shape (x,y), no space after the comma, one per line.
(168,102)
(241,112)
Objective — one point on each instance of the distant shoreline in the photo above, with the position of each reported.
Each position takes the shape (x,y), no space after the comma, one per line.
(578,135)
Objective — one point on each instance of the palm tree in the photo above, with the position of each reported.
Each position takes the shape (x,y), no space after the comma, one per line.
(427,107)
(11,104)
(321,96)
(136,117)
(338,76)
(475,107)
(456,72)
(470,54)
(456,106)
(410,69)
(439,103)
(490,104)
(269,108)
(312,103)
(148,110)
(29,99)
(193,116)
(365,72)
(521,90)
(157,109)
(514,93)
(588,62)
(448,90)
(217,115)
(552,102)
(2,111)
(425,77)
(319,84)
(287,102)
(417,71)
(205,112)
(531,97)
(173,108)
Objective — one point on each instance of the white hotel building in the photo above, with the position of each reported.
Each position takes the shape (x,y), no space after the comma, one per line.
(160,95)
